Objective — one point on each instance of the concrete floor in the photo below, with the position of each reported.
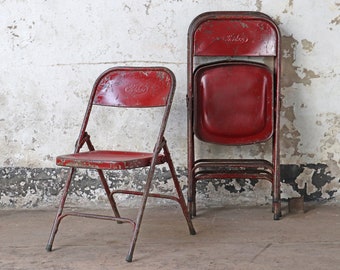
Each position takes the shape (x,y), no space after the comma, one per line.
(227,238)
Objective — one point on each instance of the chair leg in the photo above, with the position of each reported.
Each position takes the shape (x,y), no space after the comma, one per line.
(140,213)
(277,209)
(179,191)
(108,194)
(191,197)
(184,207)
(58,217)
(276,198)
(194,198)
(145,197)
(104,182)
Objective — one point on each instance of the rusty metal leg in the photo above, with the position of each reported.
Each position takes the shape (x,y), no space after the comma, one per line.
(104,182)
(140,213)
(276,197)
(189,193)
(144,200)
(179,190)
(191,197)
(193,192)
(60,210)
(108,194)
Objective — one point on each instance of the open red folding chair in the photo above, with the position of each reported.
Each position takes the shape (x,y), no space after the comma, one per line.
(233,97)
(125,87)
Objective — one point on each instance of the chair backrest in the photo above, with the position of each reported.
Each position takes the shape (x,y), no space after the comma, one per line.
(233,101)
(133,87)
(234,34)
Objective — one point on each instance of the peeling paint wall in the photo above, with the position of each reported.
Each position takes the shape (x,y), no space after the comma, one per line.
(52,51)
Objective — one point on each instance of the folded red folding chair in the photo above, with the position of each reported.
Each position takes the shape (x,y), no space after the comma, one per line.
(233,97)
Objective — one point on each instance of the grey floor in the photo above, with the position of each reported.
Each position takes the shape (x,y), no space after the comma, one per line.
(227,238)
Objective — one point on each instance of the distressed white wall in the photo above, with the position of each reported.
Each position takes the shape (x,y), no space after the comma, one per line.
(52,51)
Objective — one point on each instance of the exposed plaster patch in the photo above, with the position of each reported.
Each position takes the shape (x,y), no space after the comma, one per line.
(41,187)
(303,181)
(258,5)
(314,181)
(25,187)
(330,142)
(290,136)
(289,8)
(291,73)
(289,114)
(329,190)
(233,192)
(334,166)
(287,191)
(336,20)
(307,45)
(22,187)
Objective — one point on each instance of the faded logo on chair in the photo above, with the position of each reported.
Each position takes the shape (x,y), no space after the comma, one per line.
(136,89)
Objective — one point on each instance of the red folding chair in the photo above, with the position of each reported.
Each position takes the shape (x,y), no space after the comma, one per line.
(127,87)
(233,97)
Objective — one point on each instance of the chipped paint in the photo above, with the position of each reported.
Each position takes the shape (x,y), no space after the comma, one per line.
(290,72)
(336,20)
(307,45)
(258,5)
(52,52)
(25,188)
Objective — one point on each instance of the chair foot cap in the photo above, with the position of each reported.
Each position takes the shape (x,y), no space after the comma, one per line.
(128,258)
(277,216)
(49,248)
